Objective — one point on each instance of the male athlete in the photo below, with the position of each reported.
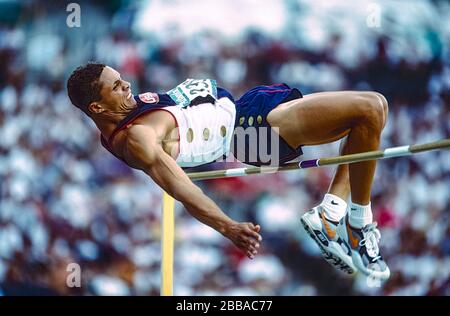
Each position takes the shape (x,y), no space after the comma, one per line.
(196,122)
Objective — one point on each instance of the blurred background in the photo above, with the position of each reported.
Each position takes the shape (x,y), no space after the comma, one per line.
(64,199)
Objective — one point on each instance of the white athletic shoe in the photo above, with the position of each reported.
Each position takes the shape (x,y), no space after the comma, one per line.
(364,249)
(324,232)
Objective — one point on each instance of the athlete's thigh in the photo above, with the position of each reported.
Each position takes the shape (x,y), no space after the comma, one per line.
(317,118)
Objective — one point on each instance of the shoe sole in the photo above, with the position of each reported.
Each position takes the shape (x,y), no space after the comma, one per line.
(331,258)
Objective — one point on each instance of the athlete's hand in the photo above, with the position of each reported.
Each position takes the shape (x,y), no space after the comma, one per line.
(246,237)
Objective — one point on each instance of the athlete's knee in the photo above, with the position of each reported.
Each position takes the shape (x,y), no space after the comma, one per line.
(374,108)
(385,106)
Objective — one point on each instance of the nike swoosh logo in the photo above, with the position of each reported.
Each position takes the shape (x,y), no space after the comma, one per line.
(353,209)
(353,241)
(330,232)
(334,203)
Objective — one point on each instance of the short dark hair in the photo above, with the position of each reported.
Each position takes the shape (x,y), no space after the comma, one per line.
(83,86)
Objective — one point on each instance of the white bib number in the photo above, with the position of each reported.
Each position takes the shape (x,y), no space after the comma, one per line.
(187,91)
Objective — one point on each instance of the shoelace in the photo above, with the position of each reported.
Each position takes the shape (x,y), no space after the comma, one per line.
(371,238)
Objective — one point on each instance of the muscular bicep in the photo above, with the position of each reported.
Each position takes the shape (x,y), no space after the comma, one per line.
(141,147)
(144,152)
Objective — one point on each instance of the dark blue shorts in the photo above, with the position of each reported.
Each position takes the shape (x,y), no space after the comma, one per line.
(255,142)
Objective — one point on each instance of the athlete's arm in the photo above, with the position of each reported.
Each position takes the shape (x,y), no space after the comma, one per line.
(143,152)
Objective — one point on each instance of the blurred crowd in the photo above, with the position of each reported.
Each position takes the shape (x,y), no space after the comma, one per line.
(64,199)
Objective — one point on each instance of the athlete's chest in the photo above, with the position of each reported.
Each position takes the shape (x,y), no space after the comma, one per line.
(162,123)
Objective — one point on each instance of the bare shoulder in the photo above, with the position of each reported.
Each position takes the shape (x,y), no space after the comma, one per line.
(140,145)
(140,133)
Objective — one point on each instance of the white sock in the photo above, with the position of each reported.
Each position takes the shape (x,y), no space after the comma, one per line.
(334,207)
(360,215)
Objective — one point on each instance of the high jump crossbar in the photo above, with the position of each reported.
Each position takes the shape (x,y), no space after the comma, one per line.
(168,202)
(345,159)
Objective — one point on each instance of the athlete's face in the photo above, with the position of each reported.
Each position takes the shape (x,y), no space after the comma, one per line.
(116,94)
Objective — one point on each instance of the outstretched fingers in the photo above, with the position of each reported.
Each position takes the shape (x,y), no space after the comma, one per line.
(246,237)
(252,239)
(253,231)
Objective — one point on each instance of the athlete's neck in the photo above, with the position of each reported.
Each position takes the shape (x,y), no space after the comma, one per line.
(106,125)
